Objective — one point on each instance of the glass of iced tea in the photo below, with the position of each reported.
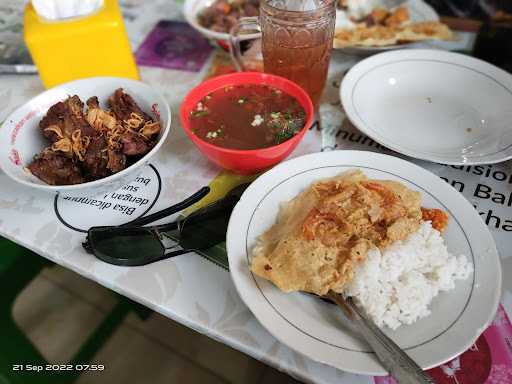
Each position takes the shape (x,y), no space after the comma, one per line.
(297,38)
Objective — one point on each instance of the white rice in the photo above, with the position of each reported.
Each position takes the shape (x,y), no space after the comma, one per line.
(396,286)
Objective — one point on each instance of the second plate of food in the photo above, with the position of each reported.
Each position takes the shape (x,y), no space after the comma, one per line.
(408,247)
(370,26)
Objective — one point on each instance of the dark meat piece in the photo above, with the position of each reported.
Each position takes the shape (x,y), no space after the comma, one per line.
(92,102)
(134,144)
(63,118)
(123,106)
(54,118)
(116,160)
(55,169)
(96,159)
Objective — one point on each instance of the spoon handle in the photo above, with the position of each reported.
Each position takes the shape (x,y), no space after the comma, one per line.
(399,365)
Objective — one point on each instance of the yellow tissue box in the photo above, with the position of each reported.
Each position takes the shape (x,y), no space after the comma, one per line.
(94,45)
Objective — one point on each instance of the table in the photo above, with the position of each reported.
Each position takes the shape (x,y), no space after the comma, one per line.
(188,289)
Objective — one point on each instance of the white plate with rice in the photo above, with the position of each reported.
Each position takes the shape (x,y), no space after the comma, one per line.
(468,286)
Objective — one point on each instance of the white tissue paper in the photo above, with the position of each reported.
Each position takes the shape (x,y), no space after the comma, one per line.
(65,9)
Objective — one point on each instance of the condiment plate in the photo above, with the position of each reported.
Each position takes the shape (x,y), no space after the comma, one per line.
(318,329)
(434,105)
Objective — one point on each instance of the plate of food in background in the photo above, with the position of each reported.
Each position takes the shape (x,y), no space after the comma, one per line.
(90,136)
(405,246)
(370,26)
(362,26)
(215,18)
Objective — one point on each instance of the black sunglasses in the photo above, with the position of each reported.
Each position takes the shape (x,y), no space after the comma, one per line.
(133,244)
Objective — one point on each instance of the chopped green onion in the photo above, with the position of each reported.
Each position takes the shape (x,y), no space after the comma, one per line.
(285,134)
(275,123)
(196,114)
(295,124)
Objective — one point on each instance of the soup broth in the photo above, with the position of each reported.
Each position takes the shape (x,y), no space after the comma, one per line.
(248,116)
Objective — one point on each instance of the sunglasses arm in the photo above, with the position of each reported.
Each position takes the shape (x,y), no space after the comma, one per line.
(171,210)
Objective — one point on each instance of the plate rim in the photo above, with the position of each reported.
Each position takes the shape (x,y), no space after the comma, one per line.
(351,78)
(239,279)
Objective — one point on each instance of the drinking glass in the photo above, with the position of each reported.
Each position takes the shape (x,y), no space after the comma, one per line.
(297,38)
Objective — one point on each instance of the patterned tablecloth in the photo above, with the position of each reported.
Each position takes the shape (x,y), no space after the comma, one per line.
(190,289)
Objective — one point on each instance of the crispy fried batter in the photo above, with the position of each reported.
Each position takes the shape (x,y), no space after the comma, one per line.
(379,36)
(427,30)
(323,233)
(378,15)
(398,17)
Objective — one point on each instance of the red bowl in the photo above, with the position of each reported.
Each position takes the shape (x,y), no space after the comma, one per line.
(254,160)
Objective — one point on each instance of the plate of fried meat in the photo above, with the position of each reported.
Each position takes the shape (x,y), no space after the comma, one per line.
(89,135)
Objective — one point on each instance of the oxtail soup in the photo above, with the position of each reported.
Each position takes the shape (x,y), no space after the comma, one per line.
(249,116)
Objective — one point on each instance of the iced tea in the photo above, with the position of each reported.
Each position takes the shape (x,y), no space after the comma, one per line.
(307,66)
(297,37)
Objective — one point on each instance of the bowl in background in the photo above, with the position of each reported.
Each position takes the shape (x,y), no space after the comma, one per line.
(191,10)
(240,160)
(21,139)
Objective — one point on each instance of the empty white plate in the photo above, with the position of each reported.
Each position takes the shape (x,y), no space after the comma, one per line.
(434,105)
(316,329)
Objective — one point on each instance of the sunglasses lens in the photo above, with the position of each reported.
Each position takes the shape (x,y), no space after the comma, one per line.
(125,246)
(206,227)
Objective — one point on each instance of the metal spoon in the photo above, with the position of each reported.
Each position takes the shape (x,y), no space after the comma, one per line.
(399,365)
